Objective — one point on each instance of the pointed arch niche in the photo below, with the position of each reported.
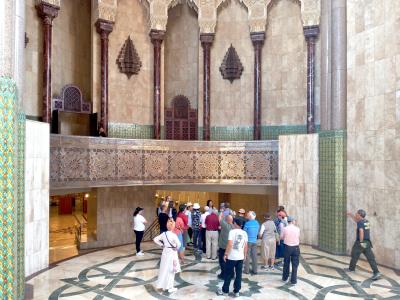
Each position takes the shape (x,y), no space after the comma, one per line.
(181,60)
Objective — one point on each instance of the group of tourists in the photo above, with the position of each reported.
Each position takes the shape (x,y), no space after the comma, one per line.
(232,238)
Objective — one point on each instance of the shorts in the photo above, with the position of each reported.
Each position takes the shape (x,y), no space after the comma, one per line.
(268,248)
(180,238)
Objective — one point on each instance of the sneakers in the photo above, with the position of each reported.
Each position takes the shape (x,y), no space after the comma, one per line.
(376,276)
(272,268)
(140,253)
(173,290)
(347,270)
(221,293)
(265,267)
(237,294)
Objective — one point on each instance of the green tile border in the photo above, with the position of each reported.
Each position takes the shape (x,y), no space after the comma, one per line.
(332,191)
(12,185)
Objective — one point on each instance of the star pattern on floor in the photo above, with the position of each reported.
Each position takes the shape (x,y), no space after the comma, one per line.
(126,276)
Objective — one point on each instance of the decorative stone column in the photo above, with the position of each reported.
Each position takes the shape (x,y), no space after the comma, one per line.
(339,65)
(206,40)
(47,12)
(157,37)
(104,28)
(311,35)
(258,41)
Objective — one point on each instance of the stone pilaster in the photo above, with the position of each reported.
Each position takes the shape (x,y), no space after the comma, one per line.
(311,35)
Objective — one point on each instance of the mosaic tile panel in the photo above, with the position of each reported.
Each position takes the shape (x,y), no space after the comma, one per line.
(332,191)
(94,161)
(130,131)
(21,206)
(11,193)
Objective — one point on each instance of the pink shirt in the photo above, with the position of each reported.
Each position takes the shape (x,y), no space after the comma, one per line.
(291,235)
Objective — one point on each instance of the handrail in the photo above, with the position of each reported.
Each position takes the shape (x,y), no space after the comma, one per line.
(152,231)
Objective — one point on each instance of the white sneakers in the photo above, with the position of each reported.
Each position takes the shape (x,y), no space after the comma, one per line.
(173,290)
(140,253)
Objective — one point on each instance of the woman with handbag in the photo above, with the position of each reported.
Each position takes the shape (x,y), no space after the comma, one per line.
(169,264)
(269,235)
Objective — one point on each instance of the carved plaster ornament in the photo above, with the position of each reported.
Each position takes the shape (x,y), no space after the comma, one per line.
(106,10)
(231,67)
(159,13)
(257,14)
(310,12)
(128,60)
(207,13)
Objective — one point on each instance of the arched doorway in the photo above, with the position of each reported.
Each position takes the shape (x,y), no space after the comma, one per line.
(180,120)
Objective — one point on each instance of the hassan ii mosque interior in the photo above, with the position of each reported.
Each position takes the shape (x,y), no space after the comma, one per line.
(111,105)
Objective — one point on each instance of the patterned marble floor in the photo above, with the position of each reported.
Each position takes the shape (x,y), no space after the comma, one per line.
(117,274)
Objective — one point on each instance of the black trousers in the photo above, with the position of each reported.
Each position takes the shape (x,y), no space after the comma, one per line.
(233,267)
(357,250)
(203,240)
(139,237)
(221,261)
(291,254)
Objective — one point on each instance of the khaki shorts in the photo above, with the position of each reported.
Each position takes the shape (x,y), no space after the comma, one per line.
(268,249)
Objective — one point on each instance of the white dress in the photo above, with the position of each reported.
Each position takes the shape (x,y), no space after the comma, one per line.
(169,258)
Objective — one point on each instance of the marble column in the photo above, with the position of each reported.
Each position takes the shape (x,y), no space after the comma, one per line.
(339,65)
(47,12)
(206,40)
(326,65)
(258,41)
(157,37)
(311,35)
(104,28)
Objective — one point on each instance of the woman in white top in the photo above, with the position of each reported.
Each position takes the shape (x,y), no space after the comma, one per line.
(169,264)
(139,226)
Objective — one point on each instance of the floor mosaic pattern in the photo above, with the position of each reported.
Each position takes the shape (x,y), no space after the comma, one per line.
(117,274)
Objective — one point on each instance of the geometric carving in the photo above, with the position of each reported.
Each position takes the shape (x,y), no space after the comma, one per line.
(71,100)
(84,162)
(231,67)
(128,60)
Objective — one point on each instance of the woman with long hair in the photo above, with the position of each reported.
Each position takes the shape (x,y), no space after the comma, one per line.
(138,227)
(169,264)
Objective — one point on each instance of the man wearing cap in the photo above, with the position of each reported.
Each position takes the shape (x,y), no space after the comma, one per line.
(189,208)
(363,243)
(291,238)
(235,253)
(242,215)
(196,226)
(252,227)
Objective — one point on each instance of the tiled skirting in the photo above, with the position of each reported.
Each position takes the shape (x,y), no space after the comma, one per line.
(223,133)
(332,191)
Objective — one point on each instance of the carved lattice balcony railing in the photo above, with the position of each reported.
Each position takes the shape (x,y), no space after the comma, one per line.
(94,162)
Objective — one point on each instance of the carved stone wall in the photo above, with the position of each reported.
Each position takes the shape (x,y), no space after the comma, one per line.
(284,67)
(71,61)
(95,162)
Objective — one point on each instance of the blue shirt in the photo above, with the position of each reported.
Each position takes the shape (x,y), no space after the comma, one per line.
(252,228)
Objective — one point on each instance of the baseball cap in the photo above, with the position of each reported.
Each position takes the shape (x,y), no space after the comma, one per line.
(242,211)
(291,219)
(238,221)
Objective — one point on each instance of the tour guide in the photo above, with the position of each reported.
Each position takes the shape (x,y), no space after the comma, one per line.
(363,244)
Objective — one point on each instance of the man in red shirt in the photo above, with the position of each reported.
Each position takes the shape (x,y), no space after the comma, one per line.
(212,226)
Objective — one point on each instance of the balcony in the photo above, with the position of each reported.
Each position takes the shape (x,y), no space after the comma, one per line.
(84,162)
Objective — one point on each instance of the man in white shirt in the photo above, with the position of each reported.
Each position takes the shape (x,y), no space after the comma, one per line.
(235,254)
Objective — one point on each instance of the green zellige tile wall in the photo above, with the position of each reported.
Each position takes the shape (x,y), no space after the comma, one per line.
(332,191)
